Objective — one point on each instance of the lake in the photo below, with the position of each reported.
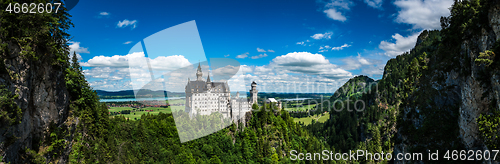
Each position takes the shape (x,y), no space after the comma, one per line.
(296,99)
(142,99)
(146,99)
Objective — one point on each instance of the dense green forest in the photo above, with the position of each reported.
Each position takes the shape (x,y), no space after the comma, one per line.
(267,137)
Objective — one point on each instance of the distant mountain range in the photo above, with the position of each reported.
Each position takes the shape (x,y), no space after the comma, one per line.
(130,94)
(148,93)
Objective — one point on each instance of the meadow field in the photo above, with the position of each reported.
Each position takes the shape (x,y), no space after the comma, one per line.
(318,118)
(151,110)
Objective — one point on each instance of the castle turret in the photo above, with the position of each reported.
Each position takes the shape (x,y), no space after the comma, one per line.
(199,73)
(253,93)
(209,83)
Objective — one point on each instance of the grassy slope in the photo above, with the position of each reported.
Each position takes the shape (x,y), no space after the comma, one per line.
(318,118)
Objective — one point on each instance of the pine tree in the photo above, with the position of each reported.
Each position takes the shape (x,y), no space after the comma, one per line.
(74,63)
(215,160)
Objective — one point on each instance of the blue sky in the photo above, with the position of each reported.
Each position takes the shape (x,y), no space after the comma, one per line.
(276,42)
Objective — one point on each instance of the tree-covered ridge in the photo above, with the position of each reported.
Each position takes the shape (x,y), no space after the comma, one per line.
(267,138)
(354,88)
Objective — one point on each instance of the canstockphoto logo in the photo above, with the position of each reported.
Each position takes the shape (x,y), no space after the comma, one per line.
(173,60)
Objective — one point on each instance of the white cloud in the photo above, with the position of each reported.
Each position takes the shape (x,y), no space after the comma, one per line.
(243,56)
(351,63)
(374,3)
(367,66)
(293,83)
(160,63)
(340,4)
(109,73)
(261,69)
(334,9)
(127,42)
(246,68)
(226,55)
(104,13)
(260,50)
(308,63)
(327,35)
(270,50)
(297,72)
(402,44)
(259,56)
(327,48)
(301,58)
(74,47)
(104,61)
(227,70)
(131,69)
(374,70)
(126,22)
(169,62)
(324,47)
(362,60)
(341,47)
(304,43)
(422,14)
(111,85)
(335,15)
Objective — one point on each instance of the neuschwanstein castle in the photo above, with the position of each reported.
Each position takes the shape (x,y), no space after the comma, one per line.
(206,97)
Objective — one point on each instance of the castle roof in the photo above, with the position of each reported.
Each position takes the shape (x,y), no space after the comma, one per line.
(201,86)
(271,100)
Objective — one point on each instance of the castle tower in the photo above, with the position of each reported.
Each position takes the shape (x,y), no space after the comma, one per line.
(253,93)
(209,83)
(199,73)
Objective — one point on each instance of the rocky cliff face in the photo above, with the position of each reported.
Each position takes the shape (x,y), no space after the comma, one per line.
(473,104)
(464,87)
(43,99)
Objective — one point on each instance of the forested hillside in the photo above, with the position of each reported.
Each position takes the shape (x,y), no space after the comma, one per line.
(442,95)
(354,88)
(267,138)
